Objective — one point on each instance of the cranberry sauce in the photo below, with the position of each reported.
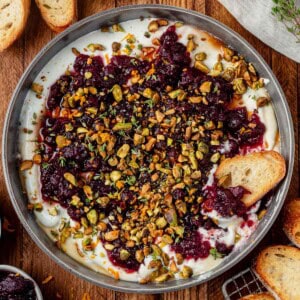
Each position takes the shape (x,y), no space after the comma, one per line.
(16,287)
(192,246)
(140,154)
(227,202)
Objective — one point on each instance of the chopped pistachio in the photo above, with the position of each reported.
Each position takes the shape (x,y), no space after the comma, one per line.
(109,247)
(186,272)
(111,235)
(201,66)
(139,256)
(70,178)
(62,141)
(117,28)
(262,101)
(162,278)
(117,92)
(113,161)
(161,222)
(37,88)
(93,47)
(88,75)
(75,52)
(200,56)
(239,86)
(205,87)
(191,45)
(26,165)
(195,99)
(122,126)
(148,93)
(115,175)
(53,211)
(167,239)
(179,94)
(228,74)
(162,22)
(103,201)
(124,254)
(261,214)
(123,151)
(215,157)
(92,216)
(227,53)
(116,46)
(153,26)
(38,206)
(159,116)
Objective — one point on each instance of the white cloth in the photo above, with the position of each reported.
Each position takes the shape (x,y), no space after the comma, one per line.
(256,17)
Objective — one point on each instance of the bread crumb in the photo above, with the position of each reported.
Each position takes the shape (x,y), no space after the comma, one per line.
(86,296)
(46,280)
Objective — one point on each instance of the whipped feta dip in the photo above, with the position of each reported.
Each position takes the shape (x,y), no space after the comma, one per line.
(232,231)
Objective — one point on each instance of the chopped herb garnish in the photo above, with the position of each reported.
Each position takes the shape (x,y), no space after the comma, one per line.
(150,103)
(62,161)
(214,252)
(45,165)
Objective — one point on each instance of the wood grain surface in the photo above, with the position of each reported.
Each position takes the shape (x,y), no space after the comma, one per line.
(18,249)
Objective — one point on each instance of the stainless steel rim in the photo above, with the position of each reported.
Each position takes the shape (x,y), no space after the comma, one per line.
(9,161)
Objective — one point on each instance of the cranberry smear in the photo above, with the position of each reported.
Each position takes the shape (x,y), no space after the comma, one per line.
(192,246)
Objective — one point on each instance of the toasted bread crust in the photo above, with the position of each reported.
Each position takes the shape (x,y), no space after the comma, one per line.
(277,267)
(55,25)
(16,32)
(269,165)
(260,296)
(291,225)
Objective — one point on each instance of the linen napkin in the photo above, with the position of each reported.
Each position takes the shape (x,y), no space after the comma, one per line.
(256,17)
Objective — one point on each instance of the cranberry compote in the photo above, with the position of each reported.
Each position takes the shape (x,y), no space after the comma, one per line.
(127,148)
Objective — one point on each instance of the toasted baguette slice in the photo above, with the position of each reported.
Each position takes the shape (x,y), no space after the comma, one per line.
(13,18)
(58,14)
(291,225)
(279,269)
(260,296)
(257,172)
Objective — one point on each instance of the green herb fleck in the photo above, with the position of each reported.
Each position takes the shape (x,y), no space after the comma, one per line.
(62,161)
(130,180)
(150,103)
(45,165)
(214,252)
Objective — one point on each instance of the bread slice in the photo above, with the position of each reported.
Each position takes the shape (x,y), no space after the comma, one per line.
(291,225)
(58,14)
(278,267)
(260,296)
(13,18)
(257,172)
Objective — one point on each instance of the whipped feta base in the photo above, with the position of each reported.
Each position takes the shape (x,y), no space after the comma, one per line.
(33,110)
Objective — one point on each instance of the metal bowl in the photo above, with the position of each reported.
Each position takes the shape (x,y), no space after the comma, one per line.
(16,270)
(10,132)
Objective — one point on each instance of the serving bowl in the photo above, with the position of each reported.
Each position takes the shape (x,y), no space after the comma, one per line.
(10,135)
(16,270)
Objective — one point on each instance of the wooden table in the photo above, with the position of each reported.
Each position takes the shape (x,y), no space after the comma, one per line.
(18,249)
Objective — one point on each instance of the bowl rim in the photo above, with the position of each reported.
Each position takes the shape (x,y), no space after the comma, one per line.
(16,270)
(150,288)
